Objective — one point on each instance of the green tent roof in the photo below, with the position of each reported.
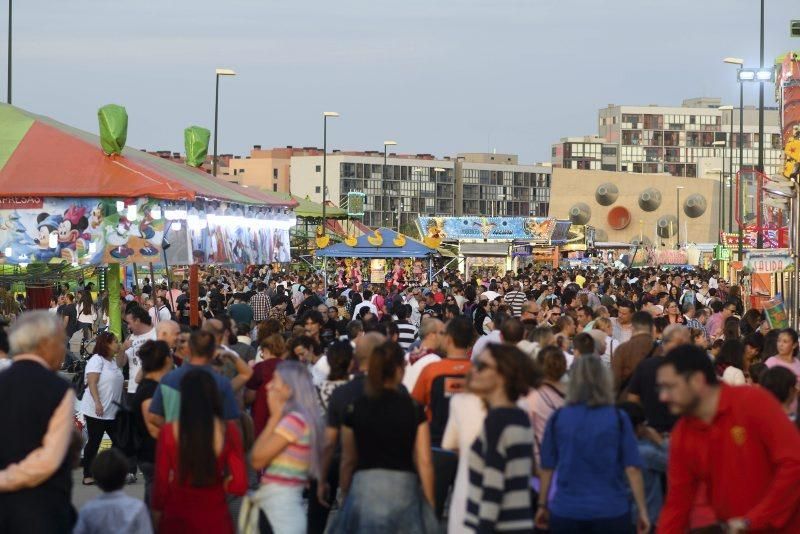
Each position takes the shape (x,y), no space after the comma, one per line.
(308,208)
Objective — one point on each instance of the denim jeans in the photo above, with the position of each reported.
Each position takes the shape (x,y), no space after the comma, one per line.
(606,525)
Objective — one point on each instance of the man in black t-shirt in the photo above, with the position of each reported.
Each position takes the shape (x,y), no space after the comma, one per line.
(642,387)
(69,316)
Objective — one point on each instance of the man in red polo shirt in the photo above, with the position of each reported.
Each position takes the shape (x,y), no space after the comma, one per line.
(736,440)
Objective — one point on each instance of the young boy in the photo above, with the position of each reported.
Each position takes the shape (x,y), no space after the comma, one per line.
(113,511)
(653,450)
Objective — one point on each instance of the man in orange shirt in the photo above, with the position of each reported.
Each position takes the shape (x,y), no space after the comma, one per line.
(736,441)
(436,384)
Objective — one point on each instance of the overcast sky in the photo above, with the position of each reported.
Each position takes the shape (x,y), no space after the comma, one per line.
(439,77)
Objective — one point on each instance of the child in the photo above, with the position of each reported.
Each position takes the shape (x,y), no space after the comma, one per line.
(653,450)
(113,511)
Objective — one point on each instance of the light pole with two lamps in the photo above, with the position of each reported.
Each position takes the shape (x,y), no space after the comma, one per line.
(740,63)
(219,72)
(729,144)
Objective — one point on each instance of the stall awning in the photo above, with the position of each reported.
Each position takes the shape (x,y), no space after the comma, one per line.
(388,248)
(484,249)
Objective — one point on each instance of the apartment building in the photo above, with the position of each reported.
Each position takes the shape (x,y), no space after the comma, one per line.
(267,169)
(690,140)
(405,186)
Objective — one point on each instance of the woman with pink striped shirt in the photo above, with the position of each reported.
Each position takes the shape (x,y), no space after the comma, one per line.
(288,451)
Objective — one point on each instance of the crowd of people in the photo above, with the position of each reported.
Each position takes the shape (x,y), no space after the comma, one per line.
(547,399)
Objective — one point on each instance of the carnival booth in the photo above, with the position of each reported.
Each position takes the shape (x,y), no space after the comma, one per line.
(382,256)
(489,246)
(71,198)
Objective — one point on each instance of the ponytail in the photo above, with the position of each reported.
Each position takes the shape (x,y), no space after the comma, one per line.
(384,362)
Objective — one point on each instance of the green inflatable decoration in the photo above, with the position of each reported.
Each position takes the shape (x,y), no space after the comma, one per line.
(113,128)
(195,140)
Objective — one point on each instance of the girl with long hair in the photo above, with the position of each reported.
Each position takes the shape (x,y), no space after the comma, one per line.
(199,459)
(730,363)
(787,349)
(87,315)
(386,443)
(289,450)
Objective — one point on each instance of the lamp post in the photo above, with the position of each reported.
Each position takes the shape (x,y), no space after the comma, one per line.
(740,62)
(325,115)
(721,203)
(722,144)
(8,89)
(730,167)
(759,237)
(219,72)
(386,208)
(678,210)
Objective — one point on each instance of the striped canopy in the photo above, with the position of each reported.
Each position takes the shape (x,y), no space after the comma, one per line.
(42,157)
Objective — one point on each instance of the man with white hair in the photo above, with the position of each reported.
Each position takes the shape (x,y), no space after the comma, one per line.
(35,468)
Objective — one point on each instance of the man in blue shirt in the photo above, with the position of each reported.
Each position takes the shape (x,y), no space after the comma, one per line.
(166,403)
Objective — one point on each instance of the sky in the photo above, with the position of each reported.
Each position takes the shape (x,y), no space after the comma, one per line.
(437,76)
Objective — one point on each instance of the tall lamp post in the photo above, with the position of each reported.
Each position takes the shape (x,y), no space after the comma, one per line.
(730,167)
(721,203)
(8,89)
(759,75)
(386,208)
(722,144)
(678,210)
(219,72)
(739,62)
(325,115)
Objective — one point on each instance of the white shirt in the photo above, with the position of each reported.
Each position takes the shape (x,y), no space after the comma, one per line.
(415,314)
(109,387)
(134,362)
(364,304)
(464,424)
(413,371)
(733,376)
(320,371)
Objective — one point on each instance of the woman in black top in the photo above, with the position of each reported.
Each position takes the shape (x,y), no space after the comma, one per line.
(386,442)
(156,362)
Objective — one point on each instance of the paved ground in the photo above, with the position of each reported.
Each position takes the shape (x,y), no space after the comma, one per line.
(81,494)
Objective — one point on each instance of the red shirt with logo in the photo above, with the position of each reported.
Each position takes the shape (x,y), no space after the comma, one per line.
(748,457)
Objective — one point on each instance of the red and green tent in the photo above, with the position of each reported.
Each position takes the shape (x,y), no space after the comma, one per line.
(43,157)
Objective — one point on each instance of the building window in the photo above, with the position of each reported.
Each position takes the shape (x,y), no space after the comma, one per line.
(241,171)
(319,168)
(275,173)
(275,188)
(318,189)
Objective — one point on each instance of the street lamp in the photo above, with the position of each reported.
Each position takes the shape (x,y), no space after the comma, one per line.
(219,72)
(740,63)
(8,97)
(730,167)
(325,115)
(386,209)
(678,205)
(722,187)
(721,203)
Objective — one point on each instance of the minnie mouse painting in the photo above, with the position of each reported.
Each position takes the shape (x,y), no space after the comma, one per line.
(71,231)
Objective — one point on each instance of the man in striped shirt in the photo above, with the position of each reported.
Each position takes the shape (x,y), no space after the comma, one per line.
(407,332)
(515,298)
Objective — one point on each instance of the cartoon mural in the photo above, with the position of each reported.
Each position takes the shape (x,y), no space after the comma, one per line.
(86,231)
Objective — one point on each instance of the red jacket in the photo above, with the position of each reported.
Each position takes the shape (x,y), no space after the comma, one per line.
(749,457)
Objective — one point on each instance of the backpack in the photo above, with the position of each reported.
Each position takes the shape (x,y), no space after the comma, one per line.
(78,380)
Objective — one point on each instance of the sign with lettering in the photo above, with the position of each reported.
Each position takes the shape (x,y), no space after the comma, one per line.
(768,261)
(531,229)
(27,203)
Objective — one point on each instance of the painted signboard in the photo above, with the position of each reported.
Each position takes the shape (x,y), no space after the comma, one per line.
(531,229)
(768,261)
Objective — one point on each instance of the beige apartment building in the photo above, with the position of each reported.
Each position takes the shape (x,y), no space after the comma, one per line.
(267,169)
(687,140)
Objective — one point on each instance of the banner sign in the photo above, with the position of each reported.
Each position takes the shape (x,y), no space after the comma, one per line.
(98,231)
(776,313)
(652,257)
(30,203)
(532,229)
(768,261)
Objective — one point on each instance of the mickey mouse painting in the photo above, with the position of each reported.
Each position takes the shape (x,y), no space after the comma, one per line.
(46,224)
